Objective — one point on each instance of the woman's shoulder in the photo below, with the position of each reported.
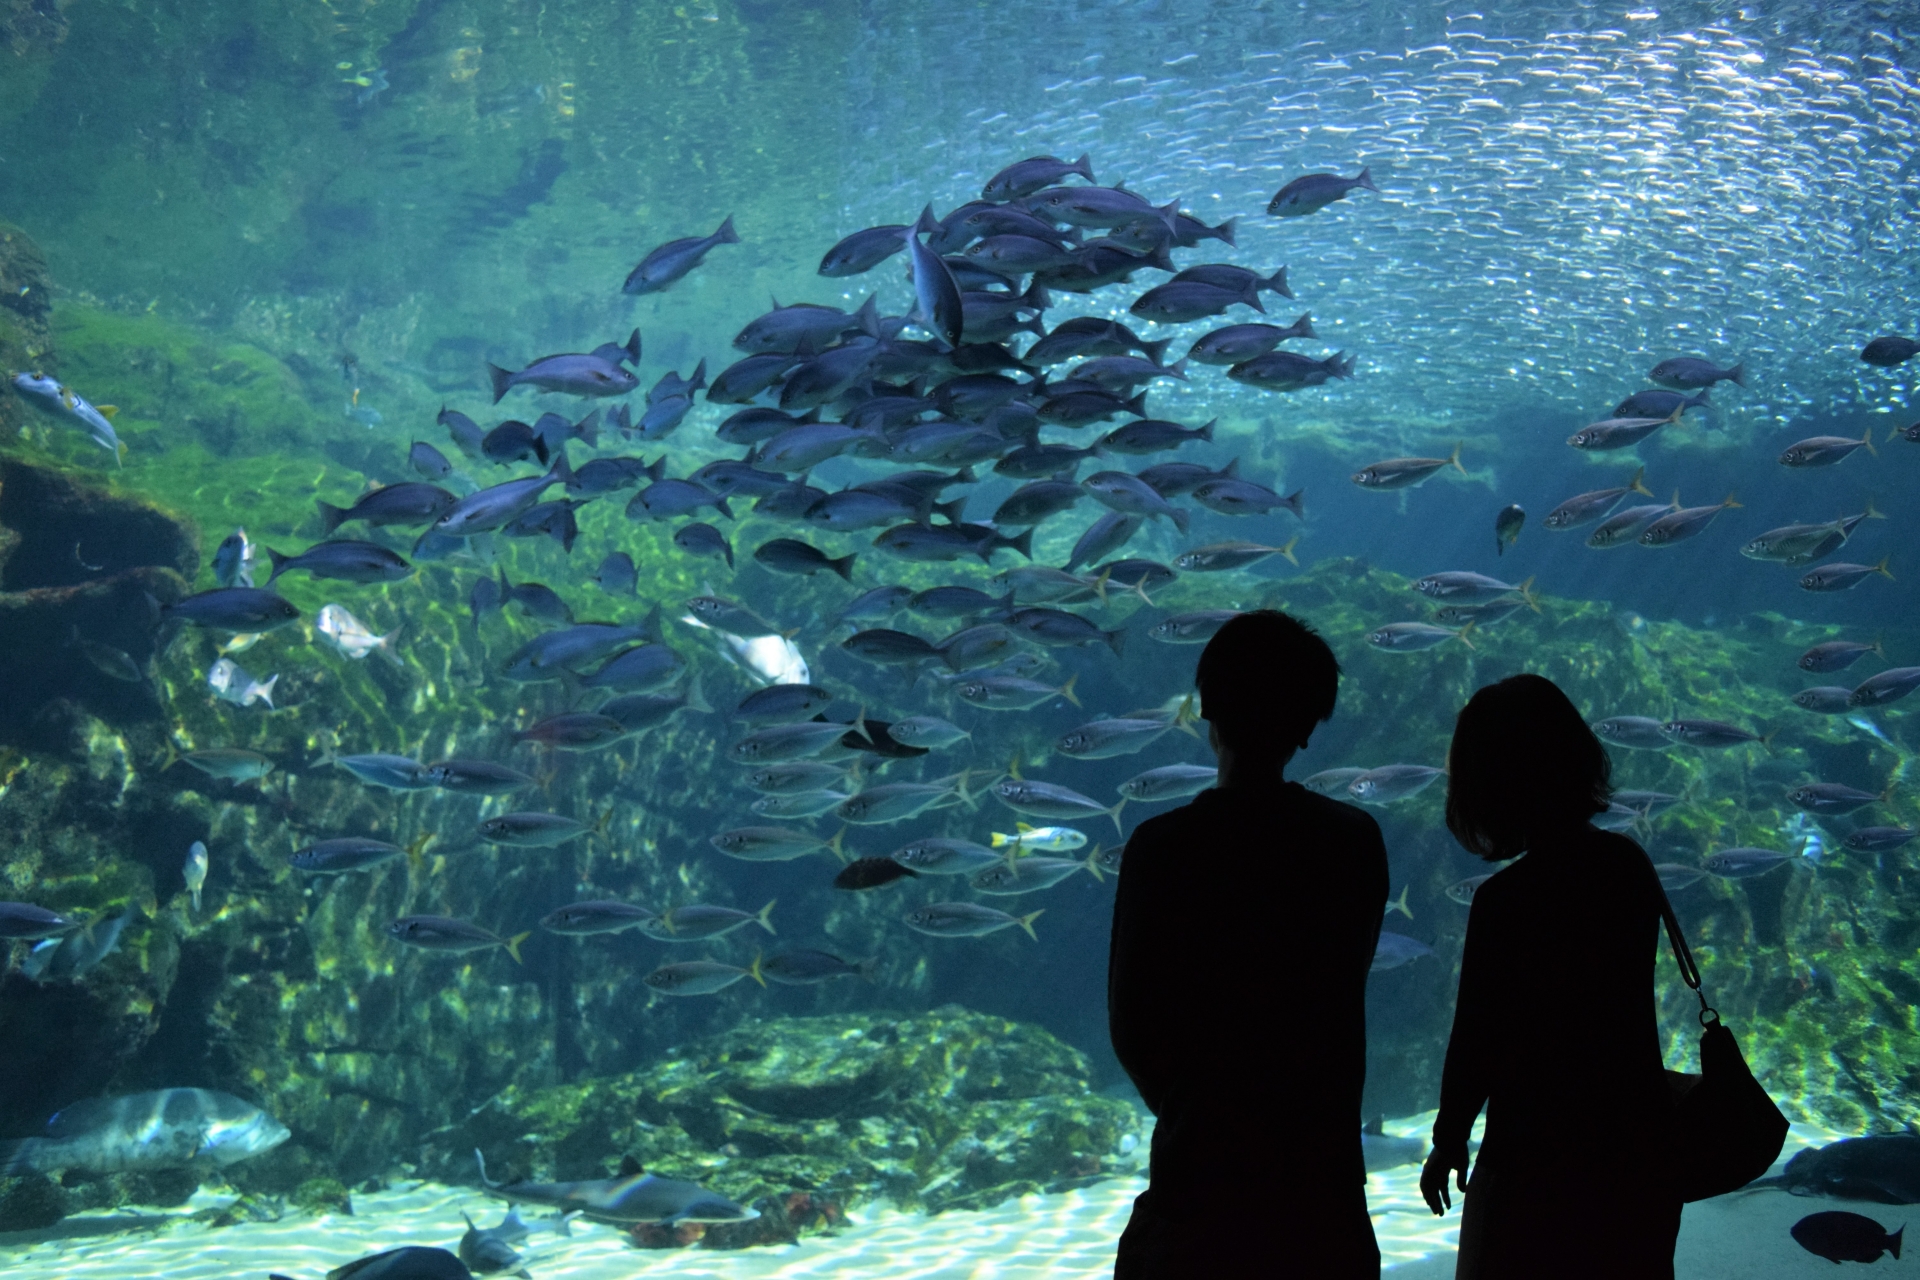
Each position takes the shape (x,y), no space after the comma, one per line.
(1616,850)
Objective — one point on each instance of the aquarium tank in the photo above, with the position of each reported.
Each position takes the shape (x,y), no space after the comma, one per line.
(589,592)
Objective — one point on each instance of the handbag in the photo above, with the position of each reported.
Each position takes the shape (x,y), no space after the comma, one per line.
(1727,1131)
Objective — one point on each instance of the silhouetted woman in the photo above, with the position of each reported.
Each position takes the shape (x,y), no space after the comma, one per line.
(1554,1031)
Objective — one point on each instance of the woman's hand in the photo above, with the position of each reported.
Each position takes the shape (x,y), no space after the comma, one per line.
(1433,1177)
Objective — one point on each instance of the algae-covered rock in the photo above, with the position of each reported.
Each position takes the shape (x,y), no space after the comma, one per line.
(30,1201)
(25,299)
(948,1107)
(322,1195)
(77,568)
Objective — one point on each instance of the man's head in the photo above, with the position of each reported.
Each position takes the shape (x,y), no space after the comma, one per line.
(1265,680)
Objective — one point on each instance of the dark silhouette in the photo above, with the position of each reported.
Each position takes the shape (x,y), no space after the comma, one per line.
(1554,1031)
(1243,930)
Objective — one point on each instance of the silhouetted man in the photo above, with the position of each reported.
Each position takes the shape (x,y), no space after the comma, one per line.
(1243,931)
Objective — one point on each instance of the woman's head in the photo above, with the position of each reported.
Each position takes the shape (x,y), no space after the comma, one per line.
(1522,761)
(1265,680)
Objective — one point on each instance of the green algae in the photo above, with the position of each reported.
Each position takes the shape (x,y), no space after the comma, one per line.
(939,1110)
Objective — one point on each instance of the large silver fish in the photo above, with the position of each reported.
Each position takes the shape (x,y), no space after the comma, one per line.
(635,1196)
(165,1129)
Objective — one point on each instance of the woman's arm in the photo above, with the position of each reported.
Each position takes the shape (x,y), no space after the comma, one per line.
(1140,966)
(1465,1080)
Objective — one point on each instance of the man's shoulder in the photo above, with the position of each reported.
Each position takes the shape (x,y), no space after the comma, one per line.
(1333,813)
(1294,805)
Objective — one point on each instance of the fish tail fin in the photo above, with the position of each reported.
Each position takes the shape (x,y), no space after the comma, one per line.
(753,970)
(513,945)
(1872,512)
(865,969)
(1114,813)
(1461,634)
(1400,903)
(1293,503)
(277,560)
(1206,432)
(1454,457)
(330,517)
(1881,568)
(1227,232)
(1738,374)
(1092,862)
(1365,180)
(417,848)
(1157,351)
(1287,551)
(1023,544)
(266,690)
(1278,283)
(501,379)
(763,917)
(696,698)
(587,431)
(1117,639)
(1083,166)
(1703,400)
(1638,483)
(1026,922)
(1728,501)
(485,1181)
(838,843)
(632,347)
(1526,593)
(1866,441)
(724,235)
(844,566)
(1065,691)
(1181,519)
(720,505)
(1893,1242)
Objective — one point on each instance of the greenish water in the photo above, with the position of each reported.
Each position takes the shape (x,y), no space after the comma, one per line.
(280,243)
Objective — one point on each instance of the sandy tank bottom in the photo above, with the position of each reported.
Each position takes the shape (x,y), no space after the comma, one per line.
(1039,1237)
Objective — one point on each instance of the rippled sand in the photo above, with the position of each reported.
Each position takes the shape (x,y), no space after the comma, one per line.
(1061,1237)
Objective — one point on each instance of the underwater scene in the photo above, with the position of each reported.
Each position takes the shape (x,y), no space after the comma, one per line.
(590,593)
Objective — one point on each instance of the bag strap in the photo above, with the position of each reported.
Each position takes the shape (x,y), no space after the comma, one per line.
(1682,954)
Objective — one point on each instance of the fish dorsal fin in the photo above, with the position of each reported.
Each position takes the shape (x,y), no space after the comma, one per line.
(630,1167)
(1376,1127)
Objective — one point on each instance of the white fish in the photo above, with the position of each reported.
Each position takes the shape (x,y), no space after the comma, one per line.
(196,872)
(772,659)
(1042,839)
(233,560)
(1803,828)
(61,401)
(231,683)
(351,636)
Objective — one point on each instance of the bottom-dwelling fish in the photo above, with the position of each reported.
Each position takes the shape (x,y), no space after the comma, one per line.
(636,1196)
